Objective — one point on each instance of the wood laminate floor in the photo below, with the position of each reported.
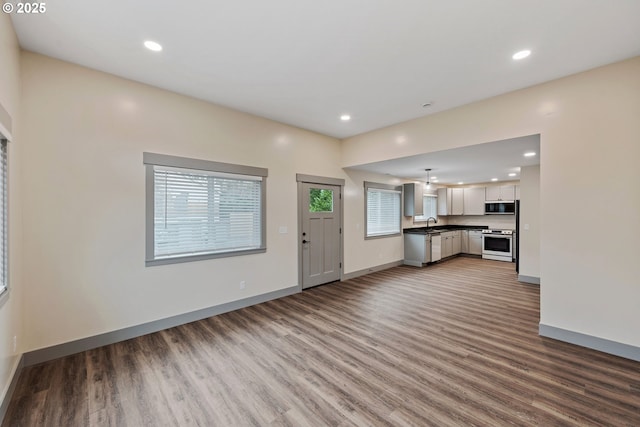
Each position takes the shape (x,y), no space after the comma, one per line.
(454,344)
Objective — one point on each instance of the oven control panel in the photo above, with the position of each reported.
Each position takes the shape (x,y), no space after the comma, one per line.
(507,232)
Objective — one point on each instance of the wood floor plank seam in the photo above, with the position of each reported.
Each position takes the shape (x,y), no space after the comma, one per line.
(452,344)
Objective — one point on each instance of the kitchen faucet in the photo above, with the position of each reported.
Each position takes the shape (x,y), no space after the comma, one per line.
(435,221)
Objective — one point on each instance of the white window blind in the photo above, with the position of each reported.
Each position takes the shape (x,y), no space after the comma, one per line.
(198,209)
(199,212)
(383,211)
(430,206)
(3,221)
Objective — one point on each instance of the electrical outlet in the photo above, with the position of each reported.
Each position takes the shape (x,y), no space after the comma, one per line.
(242,284)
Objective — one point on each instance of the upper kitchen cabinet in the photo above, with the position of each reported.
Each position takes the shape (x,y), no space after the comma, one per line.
(517,192)
(450,201)
(413,194)
(444,201)
(474,199)
(499,193)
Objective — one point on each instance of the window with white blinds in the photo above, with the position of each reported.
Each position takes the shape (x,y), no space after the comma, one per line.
(430,208)
(382,210)
(203,213)
(4,267)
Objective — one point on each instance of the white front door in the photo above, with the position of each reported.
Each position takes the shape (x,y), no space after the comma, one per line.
(321,215)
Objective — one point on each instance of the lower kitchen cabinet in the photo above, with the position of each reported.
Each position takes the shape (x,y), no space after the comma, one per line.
(456,244)
(447,244)
(422,249)
(475,242)
(464,240)
(451,243)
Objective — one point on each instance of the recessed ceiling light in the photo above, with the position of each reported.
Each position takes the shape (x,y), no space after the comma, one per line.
(521,55)
(494,179)
(512,174)
(427,104)
(460,183)
(151,45)
(345,117)
(530,154)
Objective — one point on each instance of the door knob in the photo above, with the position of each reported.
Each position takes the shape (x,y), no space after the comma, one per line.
(306,241)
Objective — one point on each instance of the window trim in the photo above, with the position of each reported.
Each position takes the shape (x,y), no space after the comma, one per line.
(4,220)
(377,186)
(152,159)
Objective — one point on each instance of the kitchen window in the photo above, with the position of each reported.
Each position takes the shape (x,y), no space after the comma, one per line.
(198,209)
(4,244)
(382,210)
(430,208)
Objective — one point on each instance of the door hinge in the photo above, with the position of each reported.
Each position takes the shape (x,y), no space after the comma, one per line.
(340,196)
(340,230)
(340,265)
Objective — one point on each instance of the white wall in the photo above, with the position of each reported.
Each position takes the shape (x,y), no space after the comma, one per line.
(590,144)
(83,133)
(360,253)
(84,201)
(11,304)
(530,221)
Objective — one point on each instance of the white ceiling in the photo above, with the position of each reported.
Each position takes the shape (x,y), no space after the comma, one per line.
(306,62)
(470,165)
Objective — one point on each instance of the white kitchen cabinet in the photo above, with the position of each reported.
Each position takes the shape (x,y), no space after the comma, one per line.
(451,243)
(475,242)
(457,201)
(413,194)
(447,244)
(492,193)
(450,201)
(444,201)
(500,192)
(456,243)
(464,241)
(517,192)
(474,199)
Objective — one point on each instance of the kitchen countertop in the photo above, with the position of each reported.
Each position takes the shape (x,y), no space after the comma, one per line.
(443,228)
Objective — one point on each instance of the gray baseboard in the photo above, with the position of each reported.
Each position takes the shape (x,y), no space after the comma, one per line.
(49,353)
(529,279)
(4,405)
(606,346)
(370,270)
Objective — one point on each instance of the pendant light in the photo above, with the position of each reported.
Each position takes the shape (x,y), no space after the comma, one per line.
(428,179)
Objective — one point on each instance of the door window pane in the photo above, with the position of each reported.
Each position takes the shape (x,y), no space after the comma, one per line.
(320,200)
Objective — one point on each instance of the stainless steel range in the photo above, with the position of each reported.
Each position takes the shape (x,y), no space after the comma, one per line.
(497,245)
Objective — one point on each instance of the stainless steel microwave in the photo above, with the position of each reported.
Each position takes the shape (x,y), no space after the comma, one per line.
(500,208)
